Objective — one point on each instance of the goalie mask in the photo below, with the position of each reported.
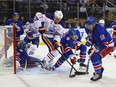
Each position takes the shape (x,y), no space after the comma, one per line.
(21,44)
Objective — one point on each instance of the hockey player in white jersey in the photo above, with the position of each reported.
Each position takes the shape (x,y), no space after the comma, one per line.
(51,28)
(32,35)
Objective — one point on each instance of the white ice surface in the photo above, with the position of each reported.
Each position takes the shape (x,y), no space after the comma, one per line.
(35,77)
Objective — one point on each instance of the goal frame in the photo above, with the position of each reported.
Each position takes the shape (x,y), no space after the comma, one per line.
(14,43)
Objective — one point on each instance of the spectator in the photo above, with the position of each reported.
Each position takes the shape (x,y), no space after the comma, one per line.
(66,10)
(23,19)
(44,6)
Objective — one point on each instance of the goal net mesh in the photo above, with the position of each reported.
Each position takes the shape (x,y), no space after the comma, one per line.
(7,52)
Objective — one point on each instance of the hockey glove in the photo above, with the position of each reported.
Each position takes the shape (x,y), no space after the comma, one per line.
(55,43)
(42,30)
(73,59)
(77,44)
(92,51)
(88,41)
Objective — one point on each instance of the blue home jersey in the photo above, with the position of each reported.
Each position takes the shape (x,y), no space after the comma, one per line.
(67,41)
(18,24)
(100,36)
(22,55)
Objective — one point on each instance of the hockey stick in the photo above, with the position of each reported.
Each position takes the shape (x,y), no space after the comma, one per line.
(73,75)
(88,66)
(76,72)
(25,67)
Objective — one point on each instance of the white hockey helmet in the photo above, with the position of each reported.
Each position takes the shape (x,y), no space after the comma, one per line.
(102,22)
(38,14)
(58,14)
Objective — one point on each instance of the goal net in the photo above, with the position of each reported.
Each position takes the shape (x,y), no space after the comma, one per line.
(7,49)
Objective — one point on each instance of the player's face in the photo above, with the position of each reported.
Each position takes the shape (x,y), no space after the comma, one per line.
(57,20)
(74,37)
(90,27)
(15,18)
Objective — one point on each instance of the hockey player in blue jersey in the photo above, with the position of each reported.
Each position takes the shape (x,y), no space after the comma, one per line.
(71,40)
(32,35)
(23,57)
(18,25)
(113,25)
(51,28)
(101,45)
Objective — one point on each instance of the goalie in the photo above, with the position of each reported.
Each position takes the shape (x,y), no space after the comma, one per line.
(23,57)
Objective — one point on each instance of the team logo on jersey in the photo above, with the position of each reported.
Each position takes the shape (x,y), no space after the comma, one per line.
(102,37)
(68,38)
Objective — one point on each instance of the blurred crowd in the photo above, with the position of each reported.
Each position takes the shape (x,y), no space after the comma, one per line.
(70,8)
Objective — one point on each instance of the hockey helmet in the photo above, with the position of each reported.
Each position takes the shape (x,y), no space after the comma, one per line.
(58,14)
(72,34)
(30,21)
(21,44)
(90,23)
(90,20)
(102,22)
(16,14)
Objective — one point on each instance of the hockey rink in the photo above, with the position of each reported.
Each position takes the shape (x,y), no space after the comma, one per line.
(36,77)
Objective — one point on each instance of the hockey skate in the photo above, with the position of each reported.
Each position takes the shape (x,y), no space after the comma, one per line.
(46,65)
(52,68)
(97,76)
(81,64)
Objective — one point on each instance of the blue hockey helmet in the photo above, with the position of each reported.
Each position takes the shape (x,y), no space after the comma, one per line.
(16,14)
(21,44)
(31,20)
(72,34)
(90,20)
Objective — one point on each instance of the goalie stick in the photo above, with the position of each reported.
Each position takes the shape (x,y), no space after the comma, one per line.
(76,72)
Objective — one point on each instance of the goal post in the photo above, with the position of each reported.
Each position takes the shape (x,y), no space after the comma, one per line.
(7,49)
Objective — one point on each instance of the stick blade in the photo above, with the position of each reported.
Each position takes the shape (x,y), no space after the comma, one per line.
(81,73)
